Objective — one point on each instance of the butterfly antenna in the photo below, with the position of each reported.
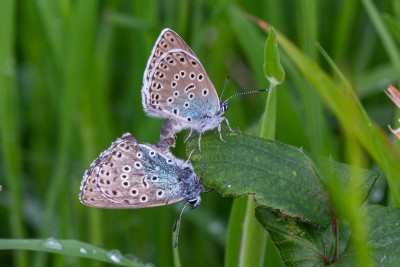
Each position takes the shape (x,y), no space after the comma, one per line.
(177,225)
(226,82)
(246,93)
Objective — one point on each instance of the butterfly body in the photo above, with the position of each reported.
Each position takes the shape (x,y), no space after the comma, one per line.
(134,175)
(176,87)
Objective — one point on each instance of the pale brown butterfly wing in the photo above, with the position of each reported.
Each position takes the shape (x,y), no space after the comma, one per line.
(132,175)
(180,88)
(167,40)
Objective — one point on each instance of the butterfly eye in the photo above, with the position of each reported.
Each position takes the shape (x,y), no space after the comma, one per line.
(225,106)
(194,202)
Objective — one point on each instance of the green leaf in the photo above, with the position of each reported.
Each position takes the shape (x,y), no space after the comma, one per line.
(273,69)
(299,243)
(384,236)
(71,248)
(337,175)
(279,176)
(304,244)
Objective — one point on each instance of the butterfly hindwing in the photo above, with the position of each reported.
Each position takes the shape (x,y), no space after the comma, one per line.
(132,175)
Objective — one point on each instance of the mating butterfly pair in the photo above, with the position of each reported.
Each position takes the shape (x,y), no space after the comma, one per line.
(134,175)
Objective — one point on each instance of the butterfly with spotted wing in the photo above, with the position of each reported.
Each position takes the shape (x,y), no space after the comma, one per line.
(176,87)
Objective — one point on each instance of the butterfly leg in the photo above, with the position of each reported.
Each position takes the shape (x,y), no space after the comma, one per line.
(200,133)
(227,123)
(188,136)
(220,132)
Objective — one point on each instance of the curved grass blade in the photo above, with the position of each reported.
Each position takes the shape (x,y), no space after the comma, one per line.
(71,248)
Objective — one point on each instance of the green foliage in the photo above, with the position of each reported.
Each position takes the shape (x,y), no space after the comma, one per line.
(273,69)
(278,176)
(292,190)
(70,79)
(383,238)
(300,243)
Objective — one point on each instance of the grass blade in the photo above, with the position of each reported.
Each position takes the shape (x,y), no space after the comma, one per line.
(9,128)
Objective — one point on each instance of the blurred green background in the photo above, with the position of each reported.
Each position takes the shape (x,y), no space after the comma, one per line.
(70,81)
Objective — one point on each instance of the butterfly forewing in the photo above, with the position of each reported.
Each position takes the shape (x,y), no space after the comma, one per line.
(167,40)
(132,175)
(181,88)
(177,88)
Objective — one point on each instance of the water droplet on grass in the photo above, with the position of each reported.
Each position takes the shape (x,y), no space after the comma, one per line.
(52,243)
(114,255)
